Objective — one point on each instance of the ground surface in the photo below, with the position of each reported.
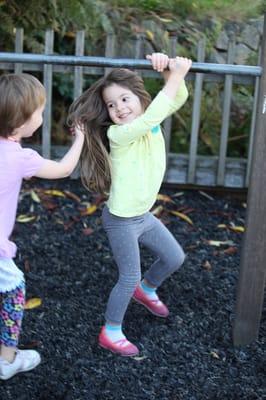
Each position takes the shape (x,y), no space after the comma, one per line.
(67,262)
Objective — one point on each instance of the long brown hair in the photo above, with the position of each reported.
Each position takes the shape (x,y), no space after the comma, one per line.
(90,111)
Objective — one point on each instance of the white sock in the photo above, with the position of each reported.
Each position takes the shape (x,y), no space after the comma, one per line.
(149,291)
(114,332)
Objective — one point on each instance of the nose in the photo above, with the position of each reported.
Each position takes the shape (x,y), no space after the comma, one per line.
(120,106)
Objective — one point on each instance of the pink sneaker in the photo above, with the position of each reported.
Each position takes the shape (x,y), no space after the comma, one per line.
(156,307)
(122,347)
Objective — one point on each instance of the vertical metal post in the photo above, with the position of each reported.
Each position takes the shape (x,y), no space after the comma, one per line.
(253,265)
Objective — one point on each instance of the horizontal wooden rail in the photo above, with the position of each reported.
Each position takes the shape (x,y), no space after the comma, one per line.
(124,63)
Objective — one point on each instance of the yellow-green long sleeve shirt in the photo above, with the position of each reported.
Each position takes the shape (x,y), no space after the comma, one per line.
(138,159)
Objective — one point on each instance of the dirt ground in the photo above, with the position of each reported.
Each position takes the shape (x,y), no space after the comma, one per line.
(65,255)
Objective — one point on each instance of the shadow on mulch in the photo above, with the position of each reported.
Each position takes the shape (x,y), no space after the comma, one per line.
(67,262)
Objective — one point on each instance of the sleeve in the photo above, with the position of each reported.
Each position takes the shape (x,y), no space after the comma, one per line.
(180,99)
(31,163)
(161,107)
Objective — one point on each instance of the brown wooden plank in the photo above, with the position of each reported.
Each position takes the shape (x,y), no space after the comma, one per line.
(251,282)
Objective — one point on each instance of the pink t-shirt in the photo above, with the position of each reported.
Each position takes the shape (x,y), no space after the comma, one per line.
(16,163)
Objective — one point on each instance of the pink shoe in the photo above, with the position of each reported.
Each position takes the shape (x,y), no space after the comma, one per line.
(122,347)
(156,307)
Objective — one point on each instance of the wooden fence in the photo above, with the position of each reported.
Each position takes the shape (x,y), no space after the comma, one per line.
(190,168)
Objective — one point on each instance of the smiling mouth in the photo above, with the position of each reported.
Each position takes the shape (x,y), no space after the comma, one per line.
(123,116)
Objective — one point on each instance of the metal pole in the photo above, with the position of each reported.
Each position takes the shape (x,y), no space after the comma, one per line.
(124,63)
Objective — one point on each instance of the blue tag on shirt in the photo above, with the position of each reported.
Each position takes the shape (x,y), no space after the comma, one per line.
(155,129)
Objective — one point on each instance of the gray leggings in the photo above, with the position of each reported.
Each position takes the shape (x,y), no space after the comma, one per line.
(124,236)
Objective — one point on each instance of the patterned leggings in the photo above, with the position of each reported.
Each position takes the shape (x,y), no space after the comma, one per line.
(11,314)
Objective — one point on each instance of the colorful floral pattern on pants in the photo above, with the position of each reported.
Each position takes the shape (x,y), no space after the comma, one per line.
(11,315)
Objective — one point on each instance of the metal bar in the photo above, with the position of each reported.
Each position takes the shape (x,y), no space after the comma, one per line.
(125,63)
(196,116)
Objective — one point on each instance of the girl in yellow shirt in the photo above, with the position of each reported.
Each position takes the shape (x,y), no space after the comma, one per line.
(124,156)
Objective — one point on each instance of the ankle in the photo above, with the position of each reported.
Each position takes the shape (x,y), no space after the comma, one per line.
(114,332)
(8,353)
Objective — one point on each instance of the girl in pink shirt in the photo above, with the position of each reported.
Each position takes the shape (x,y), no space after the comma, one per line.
(22,101)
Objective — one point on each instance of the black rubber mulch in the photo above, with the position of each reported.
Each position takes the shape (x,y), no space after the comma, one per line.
(189,356)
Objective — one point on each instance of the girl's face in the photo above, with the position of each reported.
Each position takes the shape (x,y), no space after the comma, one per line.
(122,104)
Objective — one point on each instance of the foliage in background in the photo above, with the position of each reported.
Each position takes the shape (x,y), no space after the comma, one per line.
(126,19)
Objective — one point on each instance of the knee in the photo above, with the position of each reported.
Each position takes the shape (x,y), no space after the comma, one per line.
(129,282)
(177,260)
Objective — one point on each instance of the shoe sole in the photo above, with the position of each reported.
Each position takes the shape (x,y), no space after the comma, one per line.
(117,352)
(148,308)
(4,378)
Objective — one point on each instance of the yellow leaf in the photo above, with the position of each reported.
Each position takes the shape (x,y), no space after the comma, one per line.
(35,197)
(237,228)
(182,216)
(89,210)
(164,197)
(149,35)
(25,218)
(53,192)
(222,226)
(33,303)
(157,210)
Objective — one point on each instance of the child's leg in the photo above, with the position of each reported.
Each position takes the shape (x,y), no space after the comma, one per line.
(12,360)
(162,243)
(11,315)
(123,238)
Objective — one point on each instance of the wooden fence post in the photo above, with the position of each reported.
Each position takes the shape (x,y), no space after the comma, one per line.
(253,255)
(48,84)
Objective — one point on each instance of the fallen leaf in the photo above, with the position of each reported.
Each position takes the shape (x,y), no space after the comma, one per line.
(157,211)
(215,355)
(139,358)
(33,303)
(149,34)
(220,243)
(87,231)
(182,216)
(72,196)
(231,250)
(49,205)
(30,345)
(237,228)
(89,210)
(206,195)
(207,266)
(164,197)
(22,218)
(52,192)
(27,265)
(35,197)
(178,194)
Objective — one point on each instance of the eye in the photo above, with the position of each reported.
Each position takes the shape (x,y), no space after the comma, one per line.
(124,99)
(110,105)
